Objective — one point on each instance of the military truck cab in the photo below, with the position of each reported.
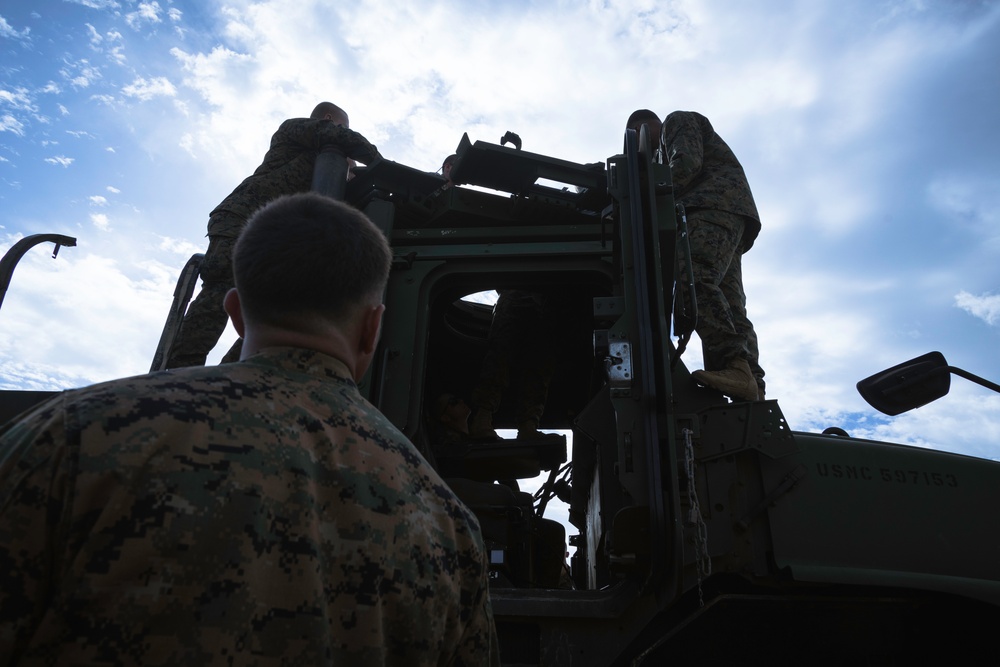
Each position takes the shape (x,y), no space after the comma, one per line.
(704,530)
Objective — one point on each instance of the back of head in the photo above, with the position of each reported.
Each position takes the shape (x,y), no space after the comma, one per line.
(324,109)
(305,258)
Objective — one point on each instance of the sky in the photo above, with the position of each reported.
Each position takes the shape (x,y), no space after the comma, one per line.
(868,130)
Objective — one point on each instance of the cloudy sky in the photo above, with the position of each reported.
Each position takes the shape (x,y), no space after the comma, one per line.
(868,130)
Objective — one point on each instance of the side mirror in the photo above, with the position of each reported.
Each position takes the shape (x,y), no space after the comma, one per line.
(908,385)
(914,383)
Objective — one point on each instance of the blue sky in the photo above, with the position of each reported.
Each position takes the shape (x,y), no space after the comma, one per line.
(868,131)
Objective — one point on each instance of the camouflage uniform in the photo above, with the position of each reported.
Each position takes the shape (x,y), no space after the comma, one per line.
(265,514)
(723,224)
(287,168)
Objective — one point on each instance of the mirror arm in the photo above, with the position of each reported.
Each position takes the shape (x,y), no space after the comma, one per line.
(975,378)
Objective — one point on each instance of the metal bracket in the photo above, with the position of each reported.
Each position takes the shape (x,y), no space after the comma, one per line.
(787,484)
(618,365)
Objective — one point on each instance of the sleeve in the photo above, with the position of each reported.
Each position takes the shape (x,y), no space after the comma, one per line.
(684,147)
(314,133)
(479,644)
(33,487)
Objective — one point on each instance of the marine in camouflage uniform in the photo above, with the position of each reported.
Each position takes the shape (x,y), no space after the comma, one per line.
(256,513)
(287,168)
(723,223)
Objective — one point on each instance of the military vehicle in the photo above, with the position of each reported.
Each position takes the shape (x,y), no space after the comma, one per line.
(705,531)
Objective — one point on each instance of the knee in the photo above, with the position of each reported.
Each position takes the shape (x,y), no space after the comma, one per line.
(217,267)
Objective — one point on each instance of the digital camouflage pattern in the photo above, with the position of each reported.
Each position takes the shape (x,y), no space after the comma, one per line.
(723,326)
(287,169)
(206,319)
(705,172)
(723,223)
(260,513)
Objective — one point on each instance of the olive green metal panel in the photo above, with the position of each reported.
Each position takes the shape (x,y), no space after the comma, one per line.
(888,515)
(14,402)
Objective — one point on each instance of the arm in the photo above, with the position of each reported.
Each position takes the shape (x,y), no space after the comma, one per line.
(33,475)
(479,644)
(685,152)
(313,133)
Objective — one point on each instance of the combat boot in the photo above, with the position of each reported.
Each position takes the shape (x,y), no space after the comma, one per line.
(736,381)
(481,425)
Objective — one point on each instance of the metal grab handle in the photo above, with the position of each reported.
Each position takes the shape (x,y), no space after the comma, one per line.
(13,256)
(330,172)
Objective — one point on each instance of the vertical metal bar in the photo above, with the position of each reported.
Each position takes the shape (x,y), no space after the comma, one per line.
(330,172)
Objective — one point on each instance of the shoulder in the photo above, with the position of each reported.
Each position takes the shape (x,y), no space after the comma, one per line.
(296,122)
(293,129)
(687,118)
(392,460)
(117,404)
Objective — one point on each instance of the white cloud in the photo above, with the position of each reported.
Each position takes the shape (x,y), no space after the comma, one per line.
(10,33)
(37,377)
(179,246)
(147,90)
(80,74)
(63,110)
(17,98)
(95,37)
(60,160)
(187,143)
(100,221)
(116,47)
(84,318)
(112,189)
(98,200)
(111,43)
(10,124)
(148,12)
(97,4)
(175,14)
(963,422)
(984,306)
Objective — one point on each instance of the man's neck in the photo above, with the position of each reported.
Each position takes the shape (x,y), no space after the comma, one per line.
(332,342)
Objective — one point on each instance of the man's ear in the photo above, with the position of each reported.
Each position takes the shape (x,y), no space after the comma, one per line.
(231,304)
(371,327)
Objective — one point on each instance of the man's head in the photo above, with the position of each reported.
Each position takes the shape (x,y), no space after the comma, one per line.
(648,118)
(308,268)
(330,111)
(447,164)
(451,411)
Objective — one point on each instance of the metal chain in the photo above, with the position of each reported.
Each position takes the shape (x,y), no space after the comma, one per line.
(703,562)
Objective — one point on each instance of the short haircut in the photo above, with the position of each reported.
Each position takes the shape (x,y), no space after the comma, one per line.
(323,108)
(449,160)
(305,258)
(642,116)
